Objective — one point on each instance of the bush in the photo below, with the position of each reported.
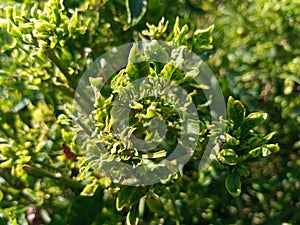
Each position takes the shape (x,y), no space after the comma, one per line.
(51,171)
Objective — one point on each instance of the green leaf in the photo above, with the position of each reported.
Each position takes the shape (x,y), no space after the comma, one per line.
(156,51)
(151,111)
(73,23)
(243,171)
(142,207)
(254,153)
(202,39)
(266,152)
(236,111)
(137,66)
(135,10)
(168,70)
(154,205)
(273,147)
(233,184)
(231,140)
(133,215)
(255,119)
(10,13)
(84,209)
(228,156)
(268,137)
(128,196)
(6,164)
(89,189)
(132,71)
(136,105)
(96,82)
(180,34)
(251,121)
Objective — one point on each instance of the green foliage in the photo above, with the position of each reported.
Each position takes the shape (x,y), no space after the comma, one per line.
(257,50)
(47,46)
(242,144)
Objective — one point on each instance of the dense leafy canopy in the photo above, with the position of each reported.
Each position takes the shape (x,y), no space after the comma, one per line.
(253,48)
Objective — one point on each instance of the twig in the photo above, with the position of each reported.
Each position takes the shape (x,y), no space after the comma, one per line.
(57,176)
(51,55)
(173,204)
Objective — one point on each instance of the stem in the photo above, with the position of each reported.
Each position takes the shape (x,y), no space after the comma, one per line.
(68,92)
(51,55)
(73,84)
(177,215)
(5,132)
(84,127)
(239,207)
(57,176)
(185,178)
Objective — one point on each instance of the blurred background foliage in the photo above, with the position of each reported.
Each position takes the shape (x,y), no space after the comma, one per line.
(45,48)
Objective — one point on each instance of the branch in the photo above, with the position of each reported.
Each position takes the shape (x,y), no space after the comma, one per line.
(51,55)
(57,176)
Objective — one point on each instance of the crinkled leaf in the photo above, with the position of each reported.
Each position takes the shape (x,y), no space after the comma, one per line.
(155,155)
(228,156)
(89,189)
(154,32)
(168,70)
(136,105)
(180,34)
(154,50)
(202,39)
(231,140)
(151,111)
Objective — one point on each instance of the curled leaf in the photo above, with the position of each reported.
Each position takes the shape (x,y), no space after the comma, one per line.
(228,156)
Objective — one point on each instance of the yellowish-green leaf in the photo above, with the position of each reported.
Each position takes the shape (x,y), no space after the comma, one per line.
(228,156)
(89,189)
(6,164)
(73,22)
